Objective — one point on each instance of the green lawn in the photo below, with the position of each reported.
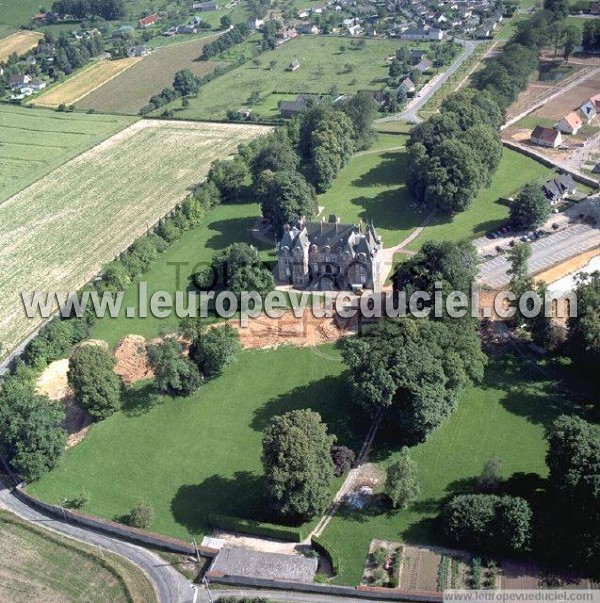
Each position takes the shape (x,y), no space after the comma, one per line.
(33,142)
(322,65)
(488,212)
(224,225)
(17,12)
(372,187)
(505,416)
(190,457)
(395,126)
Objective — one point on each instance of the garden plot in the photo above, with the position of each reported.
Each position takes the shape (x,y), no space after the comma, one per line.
(59,232)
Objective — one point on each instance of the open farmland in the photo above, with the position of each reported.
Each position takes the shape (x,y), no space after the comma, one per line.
(131,90)
(37,565)
(87,211)
(15,13)
(35,142)
(19,42)
(84,82)
(323,64)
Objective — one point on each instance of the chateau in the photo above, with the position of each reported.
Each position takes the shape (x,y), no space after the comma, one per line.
(328,255)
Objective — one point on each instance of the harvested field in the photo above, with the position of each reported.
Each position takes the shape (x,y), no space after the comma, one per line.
(133,89)
(557,108)
(84,82)
(87,211)
(19,42)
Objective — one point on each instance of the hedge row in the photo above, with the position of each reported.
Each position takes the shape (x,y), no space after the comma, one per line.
(256,528)
(325,549)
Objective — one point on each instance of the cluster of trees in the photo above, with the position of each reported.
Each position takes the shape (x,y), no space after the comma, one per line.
(82,9)
(489,523)
(31,435)
(401,484)
(591,35)
(413,369)
(454,153)
(235,36)
(210,351)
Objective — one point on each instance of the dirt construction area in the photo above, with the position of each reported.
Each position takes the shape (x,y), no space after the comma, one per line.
(557,108)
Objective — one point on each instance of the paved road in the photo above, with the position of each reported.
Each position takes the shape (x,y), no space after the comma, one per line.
(410,113)
(170,585)
(546,252)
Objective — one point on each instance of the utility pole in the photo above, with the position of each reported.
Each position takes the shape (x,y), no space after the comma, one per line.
(205,582)
(196,549)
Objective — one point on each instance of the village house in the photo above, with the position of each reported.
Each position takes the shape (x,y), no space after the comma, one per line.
(186,30)
(588,111)
(138,51)
(423,34)
(17,80)
(546,137)
(408,85)
(424,65)
(327,255)
(293,66)
(205,6)
(569,124)
(302,102)
(560,187)
(148,21)
(308,29)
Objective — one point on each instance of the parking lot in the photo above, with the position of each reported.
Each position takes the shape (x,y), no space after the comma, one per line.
(546,252)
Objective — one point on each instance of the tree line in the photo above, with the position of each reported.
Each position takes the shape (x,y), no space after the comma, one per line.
(82,9)
(224,42)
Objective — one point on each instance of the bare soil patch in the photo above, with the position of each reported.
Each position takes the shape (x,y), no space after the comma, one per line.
(570,100)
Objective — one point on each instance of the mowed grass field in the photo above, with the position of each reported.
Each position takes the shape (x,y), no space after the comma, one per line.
(19,42)
(34,142)
(37,565)
(488,211)
(59,232)
(85,81)
(322,65)
(199,455)
(505,416)
(131,90)
(372,187)
(17,12)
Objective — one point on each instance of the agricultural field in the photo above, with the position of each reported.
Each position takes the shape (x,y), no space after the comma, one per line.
(15,13)
(87,211)
(84,82)
(200,455)
(323,65)
(505,416)
(35,142)
(19,42)
(489,210)
(38,565)
(131,90)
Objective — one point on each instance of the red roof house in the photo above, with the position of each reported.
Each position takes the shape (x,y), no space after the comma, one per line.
(148,21)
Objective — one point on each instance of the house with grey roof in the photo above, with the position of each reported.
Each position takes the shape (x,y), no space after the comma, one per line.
(560,187)
(330,255)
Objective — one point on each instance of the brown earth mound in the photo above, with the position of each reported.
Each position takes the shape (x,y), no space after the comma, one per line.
(132,361)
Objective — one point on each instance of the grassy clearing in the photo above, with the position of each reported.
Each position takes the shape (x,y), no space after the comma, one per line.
(87,211)
(18,12)
(84,82)
(33,143)
(488,211)
(190,457)
(224,225)
(322,65)
(397,126)
(131,90)
(373,187)
(38,565)
(505,416)
(19,42)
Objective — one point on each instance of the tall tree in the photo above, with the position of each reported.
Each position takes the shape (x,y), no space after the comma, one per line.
(530,209)
(174,372)
(298,468)
(96,387)
(401,484)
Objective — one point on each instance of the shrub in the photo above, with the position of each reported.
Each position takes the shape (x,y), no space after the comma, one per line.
(141,516)
(343,458)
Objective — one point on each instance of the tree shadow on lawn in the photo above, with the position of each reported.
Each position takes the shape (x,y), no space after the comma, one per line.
(527,391)
(390,210)
(240,496)
(390,171)
(331,398)
(232,230)
(139,398)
